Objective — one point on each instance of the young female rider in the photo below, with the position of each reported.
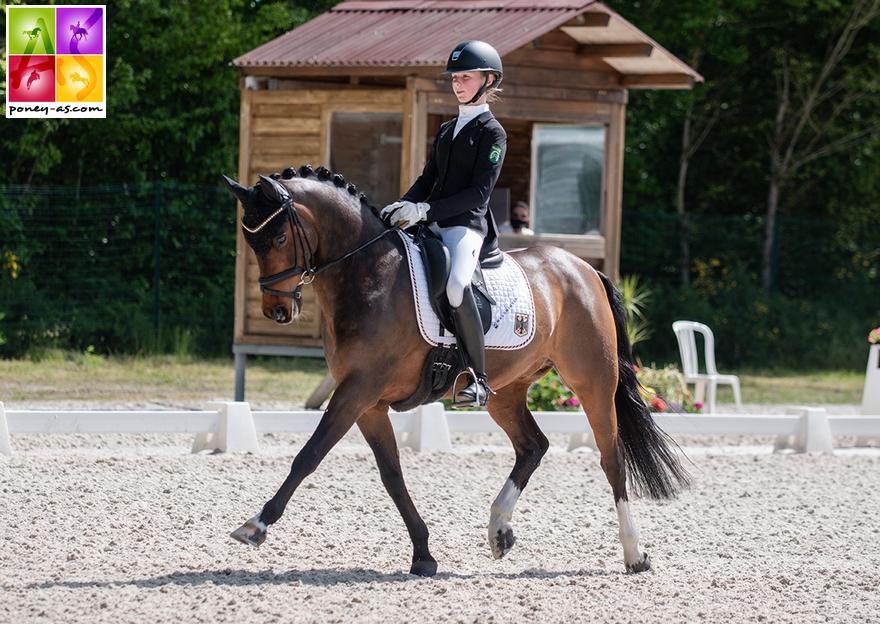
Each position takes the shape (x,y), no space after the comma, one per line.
(452,195)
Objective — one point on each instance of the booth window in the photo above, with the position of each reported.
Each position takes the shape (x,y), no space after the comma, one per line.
(567,178)
(365,149)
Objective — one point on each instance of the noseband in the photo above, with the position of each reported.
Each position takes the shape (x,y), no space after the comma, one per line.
(309,272)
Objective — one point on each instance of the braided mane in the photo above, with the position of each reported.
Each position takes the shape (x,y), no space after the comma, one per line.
(322,174)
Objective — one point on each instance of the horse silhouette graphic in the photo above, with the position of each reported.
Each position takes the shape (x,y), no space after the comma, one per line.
(33,77)
(79,33)
(32,34)
(75,77)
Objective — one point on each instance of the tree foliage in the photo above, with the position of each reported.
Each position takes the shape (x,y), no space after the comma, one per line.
(819,59)
(172,96)
(745,49)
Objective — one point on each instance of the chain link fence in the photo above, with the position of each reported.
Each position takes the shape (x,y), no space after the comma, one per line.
(823,300)
(150,268)
(144,267)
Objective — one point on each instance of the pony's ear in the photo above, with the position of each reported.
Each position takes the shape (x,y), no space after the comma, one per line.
(274,191)
(235,188)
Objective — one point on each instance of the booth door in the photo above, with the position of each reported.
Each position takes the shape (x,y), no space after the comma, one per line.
(365,148)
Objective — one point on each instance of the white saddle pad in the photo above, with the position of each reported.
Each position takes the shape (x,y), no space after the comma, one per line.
(513,316)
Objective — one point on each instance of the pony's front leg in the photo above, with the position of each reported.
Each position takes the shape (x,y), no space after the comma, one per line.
(338,418)
(377,430)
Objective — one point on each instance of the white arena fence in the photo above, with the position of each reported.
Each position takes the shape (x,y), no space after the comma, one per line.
(232,426)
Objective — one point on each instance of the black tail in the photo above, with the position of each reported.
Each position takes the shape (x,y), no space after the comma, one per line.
(655,469)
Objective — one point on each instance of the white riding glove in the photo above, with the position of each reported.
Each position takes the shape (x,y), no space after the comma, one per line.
(388,210)
(406,212)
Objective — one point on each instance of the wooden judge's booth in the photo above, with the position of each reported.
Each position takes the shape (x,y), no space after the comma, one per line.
(358,90)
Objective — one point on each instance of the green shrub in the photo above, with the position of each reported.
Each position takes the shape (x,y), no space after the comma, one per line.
(550,394)
(664,390)
(635,297)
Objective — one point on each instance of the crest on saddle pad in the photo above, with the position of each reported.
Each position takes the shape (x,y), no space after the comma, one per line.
(513,315)
(521,324)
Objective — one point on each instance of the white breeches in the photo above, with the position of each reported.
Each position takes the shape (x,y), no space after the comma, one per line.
(464,248)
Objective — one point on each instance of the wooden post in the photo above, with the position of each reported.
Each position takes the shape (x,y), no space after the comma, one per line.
(612,206)
(244,165)
(409,121)
(415,122)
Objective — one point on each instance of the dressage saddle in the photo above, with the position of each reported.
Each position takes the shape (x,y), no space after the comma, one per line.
(436,259)
(443,363)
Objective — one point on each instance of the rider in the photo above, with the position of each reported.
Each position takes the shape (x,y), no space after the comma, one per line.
(452,196)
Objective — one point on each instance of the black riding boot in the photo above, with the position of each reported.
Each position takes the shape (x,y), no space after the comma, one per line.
(471,343)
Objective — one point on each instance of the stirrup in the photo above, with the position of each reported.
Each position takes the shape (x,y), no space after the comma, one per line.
(475,394)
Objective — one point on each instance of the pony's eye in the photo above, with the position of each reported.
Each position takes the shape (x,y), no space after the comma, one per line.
(280,240)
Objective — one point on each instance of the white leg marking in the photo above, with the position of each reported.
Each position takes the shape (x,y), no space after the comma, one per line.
(502,508)
(501,513)
(257,522)
(629,536)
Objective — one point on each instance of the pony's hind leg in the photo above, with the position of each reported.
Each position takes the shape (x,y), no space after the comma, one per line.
(377,430)
(615,471)
(602,416)
(508,408)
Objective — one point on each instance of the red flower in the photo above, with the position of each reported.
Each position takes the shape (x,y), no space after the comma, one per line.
(658,404)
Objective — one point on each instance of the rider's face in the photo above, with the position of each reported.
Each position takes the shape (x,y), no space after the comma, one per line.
(466,84)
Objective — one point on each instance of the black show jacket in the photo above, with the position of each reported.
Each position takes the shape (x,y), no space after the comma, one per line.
(461,173)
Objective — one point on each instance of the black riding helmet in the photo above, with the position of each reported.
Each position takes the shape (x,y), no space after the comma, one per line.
(472,56)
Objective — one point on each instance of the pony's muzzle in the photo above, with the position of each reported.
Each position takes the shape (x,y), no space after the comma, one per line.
(280,314)
(282,311)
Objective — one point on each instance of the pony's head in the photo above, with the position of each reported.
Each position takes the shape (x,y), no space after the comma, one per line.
(283,242)
(274,230)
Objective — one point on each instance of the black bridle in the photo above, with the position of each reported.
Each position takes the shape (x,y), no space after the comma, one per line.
(309,272)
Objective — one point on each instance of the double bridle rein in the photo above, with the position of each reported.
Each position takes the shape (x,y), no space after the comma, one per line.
(309,272)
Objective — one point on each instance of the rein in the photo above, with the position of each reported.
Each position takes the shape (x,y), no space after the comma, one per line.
(309,273)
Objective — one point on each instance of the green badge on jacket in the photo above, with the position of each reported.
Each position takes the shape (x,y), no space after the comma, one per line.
(494,154)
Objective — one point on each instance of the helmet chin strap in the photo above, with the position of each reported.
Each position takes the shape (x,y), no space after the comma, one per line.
(481,90)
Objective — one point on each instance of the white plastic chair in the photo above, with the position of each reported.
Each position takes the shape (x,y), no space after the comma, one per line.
(685,333)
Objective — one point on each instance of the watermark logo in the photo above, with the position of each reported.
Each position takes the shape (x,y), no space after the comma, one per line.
(56,63)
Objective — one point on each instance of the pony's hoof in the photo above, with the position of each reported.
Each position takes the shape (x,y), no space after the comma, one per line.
(423,567)
(252,532)
(501,542)
(642,566)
